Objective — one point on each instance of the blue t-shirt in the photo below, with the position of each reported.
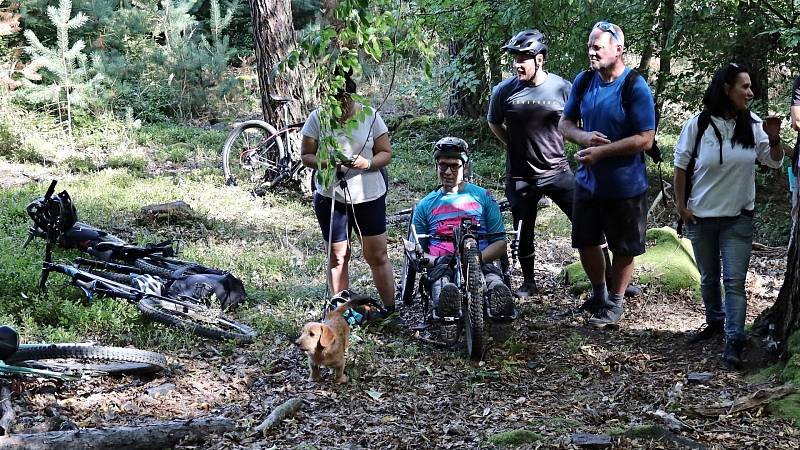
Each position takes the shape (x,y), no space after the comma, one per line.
(439,213)
(601,110)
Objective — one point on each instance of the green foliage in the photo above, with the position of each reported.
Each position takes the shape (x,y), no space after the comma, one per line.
(667,263)
(514,438)
(67,81)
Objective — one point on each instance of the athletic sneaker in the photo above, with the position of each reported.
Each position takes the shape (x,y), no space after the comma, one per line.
(449,306)
(610,314)
(449,301)
(632,291)
(528,289)
(501,304)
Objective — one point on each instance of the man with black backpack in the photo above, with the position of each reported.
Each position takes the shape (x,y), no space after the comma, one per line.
(611,179)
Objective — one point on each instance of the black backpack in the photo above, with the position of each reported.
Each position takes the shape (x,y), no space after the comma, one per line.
(703,121)
(627,92)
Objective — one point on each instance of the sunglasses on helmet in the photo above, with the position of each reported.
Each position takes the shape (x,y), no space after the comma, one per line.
(607,26)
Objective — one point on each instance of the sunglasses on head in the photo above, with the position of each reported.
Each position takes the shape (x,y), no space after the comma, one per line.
(607,26)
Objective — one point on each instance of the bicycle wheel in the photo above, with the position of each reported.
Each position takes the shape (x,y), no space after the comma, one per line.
(88,359)
(116,277)
(252,154)
(166,267)
(408,276)
(195,317)
(471,262)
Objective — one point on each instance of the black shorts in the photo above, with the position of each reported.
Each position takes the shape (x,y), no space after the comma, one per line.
(622,220)
(369,218)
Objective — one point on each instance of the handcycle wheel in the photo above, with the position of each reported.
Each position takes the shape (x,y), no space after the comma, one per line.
(473,320)
(87,359)
(252,154)
(195,317)
(408,276)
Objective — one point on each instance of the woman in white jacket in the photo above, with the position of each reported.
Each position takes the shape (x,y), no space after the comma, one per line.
(716,155)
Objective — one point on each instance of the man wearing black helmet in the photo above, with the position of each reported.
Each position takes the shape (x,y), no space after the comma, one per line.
(441,211)
(524,111)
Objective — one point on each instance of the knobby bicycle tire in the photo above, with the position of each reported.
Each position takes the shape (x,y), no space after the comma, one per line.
(260,160)
(408,275)
(152,269)
(104,360)
(116,277)
(474,299)
(166,267)
(196,318)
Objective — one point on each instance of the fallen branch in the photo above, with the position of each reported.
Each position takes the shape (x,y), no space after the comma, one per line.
(285,410)
(7,419)
(750,401)
(148,436)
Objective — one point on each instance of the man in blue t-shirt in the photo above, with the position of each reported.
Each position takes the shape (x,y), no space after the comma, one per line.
(439,212)
(524,111)
(611,179)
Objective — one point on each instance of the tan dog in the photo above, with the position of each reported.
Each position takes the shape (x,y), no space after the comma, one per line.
(326,342)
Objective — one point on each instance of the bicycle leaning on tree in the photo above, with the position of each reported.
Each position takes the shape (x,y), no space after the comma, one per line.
(258,157)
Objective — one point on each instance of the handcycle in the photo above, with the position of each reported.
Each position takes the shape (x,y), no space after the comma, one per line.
(69,361)
(57,213)
(258,157)
(468,277)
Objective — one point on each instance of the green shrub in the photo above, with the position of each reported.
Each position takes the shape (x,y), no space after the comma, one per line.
(134,163)
(80,164)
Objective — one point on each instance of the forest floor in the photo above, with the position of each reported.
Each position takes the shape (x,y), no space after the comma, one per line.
(557,376)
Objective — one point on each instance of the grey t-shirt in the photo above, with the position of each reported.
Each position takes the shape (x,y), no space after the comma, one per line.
(531,115)
(362,185)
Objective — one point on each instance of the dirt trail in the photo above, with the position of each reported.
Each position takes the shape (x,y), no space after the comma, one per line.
(556,377)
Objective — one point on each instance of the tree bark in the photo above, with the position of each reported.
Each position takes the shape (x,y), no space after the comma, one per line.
(782,320)
(649,46)
(8,416)
(274,40)
(667,19)
(145,437)
(462,102)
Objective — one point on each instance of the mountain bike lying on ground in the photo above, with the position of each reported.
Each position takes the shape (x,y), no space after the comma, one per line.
(72,361)
(198,313)
(468,277)
(258,157)
(180,277)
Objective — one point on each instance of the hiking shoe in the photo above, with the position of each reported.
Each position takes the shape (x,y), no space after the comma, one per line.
(592,305)
(501,302)
(609,314)
(733,353)
(632,291)
(449,301)
(708,331)
(501,306)
(528,289)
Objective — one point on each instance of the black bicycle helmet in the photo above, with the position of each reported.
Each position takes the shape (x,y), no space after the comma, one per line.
(451,147)
(529,42)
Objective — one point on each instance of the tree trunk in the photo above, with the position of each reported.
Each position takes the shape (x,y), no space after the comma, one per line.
(647,51)
(783,319)
(667,20)
(274,39)
(462,102)
(149,436)
(752,47)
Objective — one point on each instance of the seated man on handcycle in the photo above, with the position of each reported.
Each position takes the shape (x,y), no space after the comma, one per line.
(439,213)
